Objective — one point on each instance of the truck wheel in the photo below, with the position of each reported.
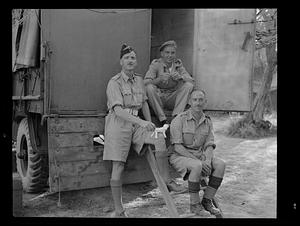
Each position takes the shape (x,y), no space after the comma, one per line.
(28,160)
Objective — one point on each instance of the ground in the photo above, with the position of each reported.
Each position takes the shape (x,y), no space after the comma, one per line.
(247,191)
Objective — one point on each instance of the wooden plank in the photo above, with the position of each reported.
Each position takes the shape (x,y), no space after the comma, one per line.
(64,125)
(97,180)
(161,184)
(79,182)
(69,154)
(84,139)
(93,166)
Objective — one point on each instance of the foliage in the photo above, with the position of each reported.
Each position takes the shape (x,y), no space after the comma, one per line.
(244,128)
(266,28)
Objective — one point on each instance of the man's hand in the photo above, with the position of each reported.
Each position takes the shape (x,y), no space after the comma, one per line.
(206,167)
(176,76)
(148,125)
(164,78)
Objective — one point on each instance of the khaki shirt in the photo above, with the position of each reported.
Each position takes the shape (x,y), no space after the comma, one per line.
(158,68)
(194,137)
(128,93)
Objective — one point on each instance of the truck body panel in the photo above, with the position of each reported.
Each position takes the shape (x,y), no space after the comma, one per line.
(85,53)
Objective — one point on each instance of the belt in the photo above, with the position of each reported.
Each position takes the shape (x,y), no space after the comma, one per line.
(132,111)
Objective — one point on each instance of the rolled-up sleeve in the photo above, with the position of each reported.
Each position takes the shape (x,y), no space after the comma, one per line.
(185,75)
(210,140)
(176,131)
(152,72)
(114,94)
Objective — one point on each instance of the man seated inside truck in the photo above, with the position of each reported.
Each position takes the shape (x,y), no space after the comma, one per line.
(126,95)
(192,154)
(168,84)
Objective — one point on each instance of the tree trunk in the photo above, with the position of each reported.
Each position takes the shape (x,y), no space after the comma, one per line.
(257,112)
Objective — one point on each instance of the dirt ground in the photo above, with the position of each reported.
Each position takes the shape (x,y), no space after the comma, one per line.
(248,189)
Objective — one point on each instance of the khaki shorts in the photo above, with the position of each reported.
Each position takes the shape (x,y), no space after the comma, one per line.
(182,164)
(120,135)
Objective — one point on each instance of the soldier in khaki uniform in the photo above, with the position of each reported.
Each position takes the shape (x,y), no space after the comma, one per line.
(168,84)
(192,154)
(125,96)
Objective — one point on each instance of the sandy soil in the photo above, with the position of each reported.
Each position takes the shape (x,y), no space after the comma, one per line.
(248,189)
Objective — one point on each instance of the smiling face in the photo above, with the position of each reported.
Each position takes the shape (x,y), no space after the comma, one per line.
(168,54)
(197,101)
(128,61)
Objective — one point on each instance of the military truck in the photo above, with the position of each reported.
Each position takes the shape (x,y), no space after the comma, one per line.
(64,58)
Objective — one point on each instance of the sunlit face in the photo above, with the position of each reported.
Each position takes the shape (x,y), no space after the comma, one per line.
(168,54)
(129,61)
(197,101)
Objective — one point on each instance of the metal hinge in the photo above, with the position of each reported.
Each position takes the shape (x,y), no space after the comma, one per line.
(237,22)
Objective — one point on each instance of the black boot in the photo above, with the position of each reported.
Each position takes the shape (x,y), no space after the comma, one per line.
(209,206)
(173,186)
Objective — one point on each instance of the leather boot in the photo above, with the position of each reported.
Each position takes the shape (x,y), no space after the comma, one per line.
(199,210)
(173,186)
(195,205)
(209,206)
(209,194)
(122,214)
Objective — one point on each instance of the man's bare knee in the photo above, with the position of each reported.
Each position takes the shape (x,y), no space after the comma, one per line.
(219,164)
(188,85)
(196,167)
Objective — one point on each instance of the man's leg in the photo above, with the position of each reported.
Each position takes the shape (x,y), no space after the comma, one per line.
(116,188)
(155,102)
(163,167)
(195,168)
(180,97)
(215,180)
(141,137)
(191,167)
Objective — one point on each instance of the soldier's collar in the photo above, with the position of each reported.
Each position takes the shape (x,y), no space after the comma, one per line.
(126,77)
(190,116)
(176,63)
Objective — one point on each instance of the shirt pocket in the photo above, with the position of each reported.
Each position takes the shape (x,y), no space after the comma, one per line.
(127,96)
(188,135)
(138,96)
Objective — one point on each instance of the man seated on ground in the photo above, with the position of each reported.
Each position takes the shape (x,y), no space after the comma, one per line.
(168,84)
(192,154)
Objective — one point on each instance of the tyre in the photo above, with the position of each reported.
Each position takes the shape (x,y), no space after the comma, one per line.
(29,161)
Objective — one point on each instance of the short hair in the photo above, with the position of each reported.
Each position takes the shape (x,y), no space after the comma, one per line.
(198,89)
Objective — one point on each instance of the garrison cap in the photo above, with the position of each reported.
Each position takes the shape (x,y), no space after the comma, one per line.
(126,49)
(167,43)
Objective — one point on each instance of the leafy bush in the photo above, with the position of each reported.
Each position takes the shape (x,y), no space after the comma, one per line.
(244,128)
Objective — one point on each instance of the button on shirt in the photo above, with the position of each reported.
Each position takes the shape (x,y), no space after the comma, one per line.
(193,136)
(158,68)
(126,92)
